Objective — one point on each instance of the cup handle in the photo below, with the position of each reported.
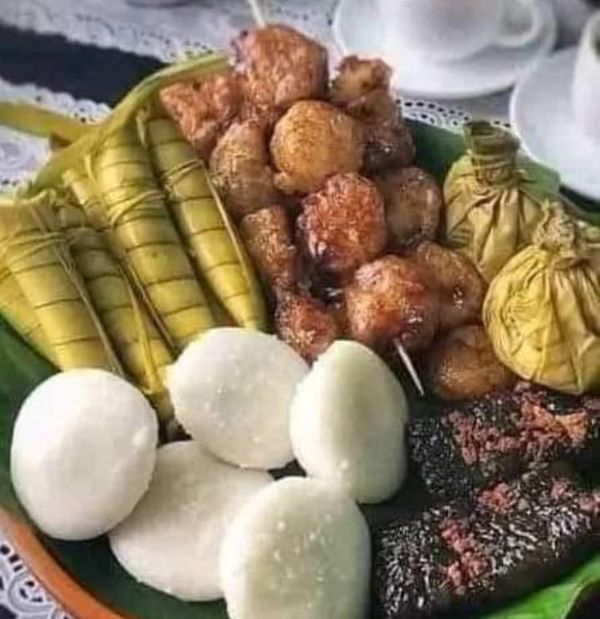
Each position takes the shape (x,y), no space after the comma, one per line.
(511,38)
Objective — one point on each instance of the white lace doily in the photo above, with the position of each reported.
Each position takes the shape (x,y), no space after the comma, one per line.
(20,592)
(21,155)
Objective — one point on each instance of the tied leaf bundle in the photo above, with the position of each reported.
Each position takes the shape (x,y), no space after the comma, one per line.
(541,310)
(21,316)
(135,211)
(202,220)
(136,340)
(492,203)
(81,186)
(37,255)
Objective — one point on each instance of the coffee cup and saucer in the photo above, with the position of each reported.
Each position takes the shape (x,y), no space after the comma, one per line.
(555,110)
(449,49)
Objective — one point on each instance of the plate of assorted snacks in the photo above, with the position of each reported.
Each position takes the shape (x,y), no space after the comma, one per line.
(269,350)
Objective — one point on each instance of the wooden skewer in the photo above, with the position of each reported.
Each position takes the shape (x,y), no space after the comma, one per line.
(257,13)
(409,365)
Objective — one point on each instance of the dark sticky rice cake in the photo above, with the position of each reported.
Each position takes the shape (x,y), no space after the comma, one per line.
(487,440)
(474,553)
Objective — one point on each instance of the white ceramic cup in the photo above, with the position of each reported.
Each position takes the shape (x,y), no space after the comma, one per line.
(448,30)
(586,81)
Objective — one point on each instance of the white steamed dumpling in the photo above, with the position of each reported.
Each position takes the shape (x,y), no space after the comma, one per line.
(172,539)
(347,423)
(232,390)
(83,451)
(299,549)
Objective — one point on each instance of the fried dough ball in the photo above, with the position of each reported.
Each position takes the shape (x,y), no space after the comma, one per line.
(463,365)
(413,204)
(239,166)
(391,298)
(388,140)
(306,324)
(388,144)
(204,108)
(343,225)
(460,286)
(374,107)
(363,89)
(281,66)
(313,141)
(268,238)
(357,77)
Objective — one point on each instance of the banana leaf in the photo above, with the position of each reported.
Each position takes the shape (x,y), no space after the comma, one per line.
(91,563)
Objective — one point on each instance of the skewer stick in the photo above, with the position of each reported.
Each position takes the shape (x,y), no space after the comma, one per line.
(257,13)
(408,364)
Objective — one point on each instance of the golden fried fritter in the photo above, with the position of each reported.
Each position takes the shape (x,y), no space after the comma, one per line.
(280,66)
(373,107)
(460,287)
(388,140)
(239,166)
(413,205)
(388,144)
(463,365)
(313,141)
(391,298)
(268,238)
(358,77)
(343,225)
(362,88)
(203,109)
(306,324)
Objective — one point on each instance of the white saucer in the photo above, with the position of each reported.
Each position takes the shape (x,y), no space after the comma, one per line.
(357,30)
(542,117)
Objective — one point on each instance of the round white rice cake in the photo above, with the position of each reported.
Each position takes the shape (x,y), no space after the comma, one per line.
(172,540)
(299,549)
(348,421)
(232,390)
(83,451)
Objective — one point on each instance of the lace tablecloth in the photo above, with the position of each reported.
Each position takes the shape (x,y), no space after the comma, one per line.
(167,35)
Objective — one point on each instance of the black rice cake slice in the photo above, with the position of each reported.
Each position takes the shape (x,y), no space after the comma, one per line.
(480,552)
(487,440)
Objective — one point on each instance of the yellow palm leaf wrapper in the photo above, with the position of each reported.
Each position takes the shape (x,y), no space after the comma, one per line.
(492,208)
(135,339)
(81,186)
(21,316)
(36,253)
(542,310)
(201,219)
(135,210)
